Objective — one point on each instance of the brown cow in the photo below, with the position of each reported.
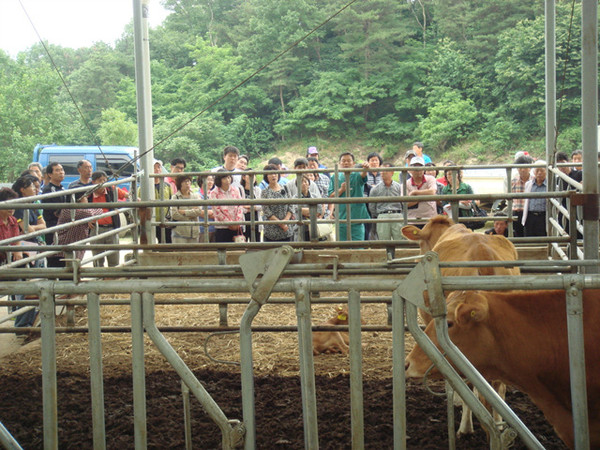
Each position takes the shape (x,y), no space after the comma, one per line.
(332,341)
(455,242)
(520,338)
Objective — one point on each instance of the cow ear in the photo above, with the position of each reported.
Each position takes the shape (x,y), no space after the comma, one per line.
(467,312)
(411,232)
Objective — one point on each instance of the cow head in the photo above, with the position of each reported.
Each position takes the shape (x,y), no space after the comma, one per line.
(431,232)
(467,315)
(341,315)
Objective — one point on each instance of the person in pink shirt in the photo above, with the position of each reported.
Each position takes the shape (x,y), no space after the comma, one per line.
(225,190)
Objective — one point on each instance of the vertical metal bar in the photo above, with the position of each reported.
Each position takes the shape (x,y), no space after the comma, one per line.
(550,76)
(509,206)
(187,415)
(336,206)
(398,373)
(348,207)
(144,103)
(313,231)
(450,414)
(96,378)
(49,387)
(247,369)
(138,372)
(572,221)
(356,380)
(222,314)
(577,366)
(589,124)
(307,368)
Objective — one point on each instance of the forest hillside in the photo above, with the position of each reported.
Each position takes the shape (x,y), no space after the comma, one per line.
(465,77)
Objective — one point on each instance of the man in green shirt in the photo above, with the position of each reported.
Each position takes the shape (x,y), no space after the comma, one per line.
(350,185)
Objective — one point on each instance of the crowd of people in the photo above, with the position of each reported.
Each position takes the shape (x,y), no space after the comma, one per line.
(232,182)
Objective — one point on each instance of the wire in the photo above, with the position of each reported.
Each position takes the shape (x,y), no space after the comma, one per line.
(62,79)
(564,73)
(219,99)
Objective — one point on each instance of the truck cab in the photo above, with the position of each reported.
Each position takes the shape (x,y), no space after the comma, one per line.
(110,159)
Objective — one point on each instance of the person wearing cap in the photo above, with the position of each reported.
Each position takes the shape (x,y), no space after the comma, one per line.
(408,156)
(517,186)
(534,210)
(418,149)
(350,185)
(420,184)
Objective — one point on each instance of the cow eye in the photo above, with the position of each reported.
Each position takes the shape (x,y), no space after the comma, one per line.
(450,324)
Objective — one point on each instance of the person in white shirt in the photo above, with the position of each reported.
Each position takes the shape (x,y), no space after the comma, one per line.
(420,184)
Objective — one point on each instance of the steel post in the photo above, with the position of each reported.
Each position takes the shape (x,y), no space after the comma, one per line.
(398,374)
(138,372)
(49,386)
(589,125)
(356,380)
(307,368)
(96,378)
(248,410)
(574,303)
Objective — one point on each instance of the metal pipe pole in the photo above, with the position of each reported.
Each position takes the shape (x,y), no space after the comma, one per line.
(398,373)
(96,380)
(144,104)
(550,34)
(308,389)
(49,384)
(550,70)
(574,297)
(138,372)
(356,380)
(589,125)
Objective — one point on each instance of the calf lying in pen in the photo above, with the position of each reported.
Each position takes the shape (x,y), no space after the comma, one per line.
(332,341)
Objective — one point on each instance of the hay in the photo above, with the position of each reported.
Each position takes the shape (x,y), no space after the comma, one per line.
(274,353)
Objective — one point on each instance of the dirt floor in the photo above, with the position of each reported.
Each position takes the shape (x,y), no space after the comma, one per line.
(277,387)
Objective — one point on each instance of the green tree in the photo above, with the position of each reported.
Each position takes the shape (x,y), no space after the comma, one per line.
(200,143)
(94,85)
(448,121)
(116,129)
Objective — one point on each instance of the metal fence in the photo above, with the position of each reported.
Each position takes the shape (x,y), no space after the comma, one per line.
(262,275)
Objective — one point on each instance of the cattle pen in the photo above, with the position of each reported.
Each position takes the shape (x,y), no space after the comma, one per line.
(210,344)
(375,279)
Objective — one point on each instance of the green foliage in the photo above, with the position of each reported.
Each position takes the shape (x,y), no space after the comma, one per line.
(463,74)
(116,129)
(449,120)
(200,143)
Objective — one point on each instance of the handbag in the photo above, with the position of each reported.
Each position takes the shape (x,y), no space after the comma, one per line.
(239,238)
(477,212)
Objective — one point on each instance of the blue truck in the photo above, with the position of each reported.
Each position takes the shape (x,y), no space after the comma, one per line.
(111,159)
